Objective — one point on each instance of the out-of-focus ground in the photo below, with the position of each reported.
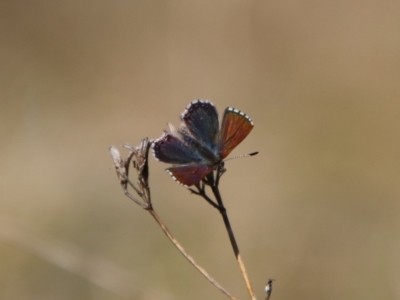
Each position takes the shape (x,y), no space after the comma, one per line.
(318,209)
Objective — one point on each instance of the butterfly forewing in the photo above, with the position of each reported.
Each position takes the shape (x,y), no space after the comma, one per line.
(170,149)
(235,126)
(201,120)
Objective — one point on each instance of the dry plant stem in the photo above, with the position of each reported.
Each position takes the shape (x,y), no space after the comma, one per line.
(222,210)
(187,256)
(139,156)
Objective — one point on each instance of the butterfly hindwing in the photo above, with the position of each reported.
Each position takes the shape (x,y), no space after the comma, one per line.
(235,126)
(189,174)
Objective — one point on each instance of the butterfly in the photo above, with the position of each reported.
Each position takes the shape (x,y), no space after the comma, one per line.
(200,144)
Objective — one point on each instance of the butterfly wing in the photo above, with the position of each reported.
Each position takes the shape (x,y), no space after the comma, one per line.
(236,125)
(199,145)
(170,149)
(200,119)
(189,175)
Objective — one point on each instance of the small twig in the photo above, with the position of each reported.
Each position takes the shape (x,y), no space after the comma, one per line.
(268,288)
(201,192)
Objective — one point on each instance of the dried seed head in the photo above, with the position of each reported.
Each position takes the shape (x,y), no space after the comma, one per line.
(119,164)
(140,159)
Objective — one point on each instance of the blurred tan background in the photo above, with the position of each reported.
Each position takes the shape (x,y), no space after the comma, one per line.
(318,209)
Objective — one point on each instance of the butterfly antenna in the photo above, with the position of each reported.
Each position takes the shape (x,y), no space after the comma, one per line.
(243,155)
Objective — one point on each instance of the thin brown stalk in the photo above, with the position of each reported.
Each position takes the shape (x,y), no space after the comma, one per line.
(187,256)
(212,180)
(220,206)
(232,239)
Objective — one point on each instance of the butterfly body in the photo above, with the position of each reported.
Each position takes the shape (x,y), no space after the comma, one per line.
(200,144)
